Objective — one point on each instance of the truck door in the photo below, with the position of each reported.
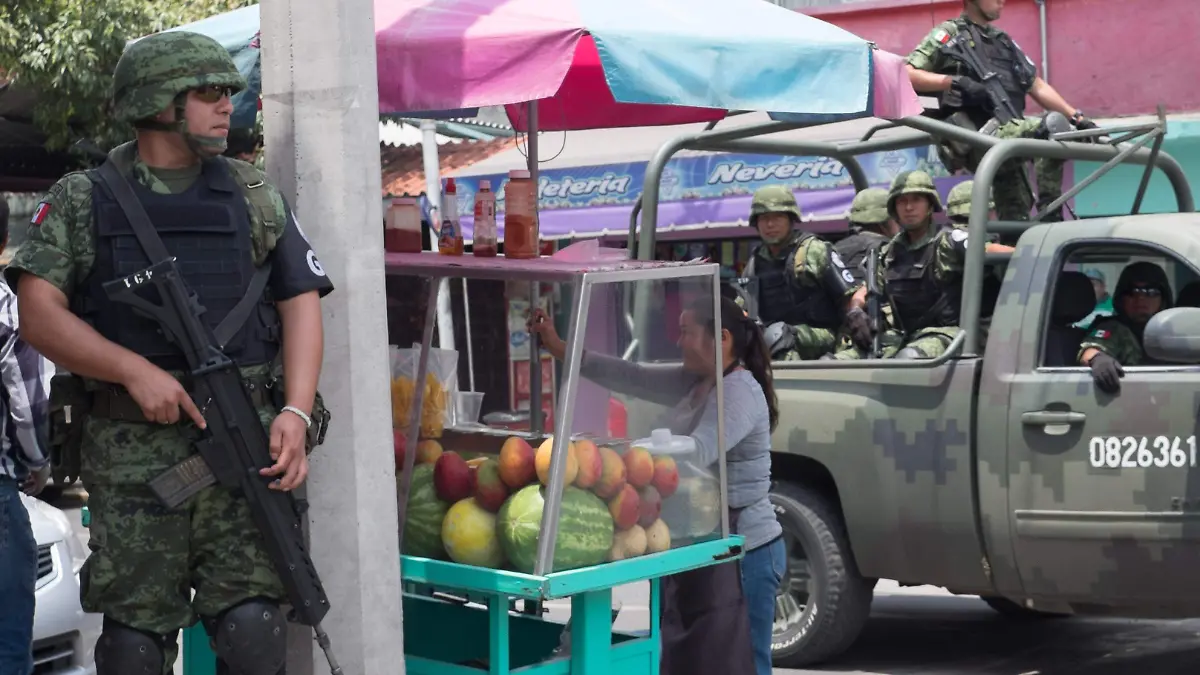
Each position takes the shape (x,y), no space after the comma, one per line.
(1104,489)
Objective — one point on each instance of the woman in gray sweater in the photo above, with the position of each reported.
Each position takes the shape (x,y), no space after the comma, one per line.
(715,619)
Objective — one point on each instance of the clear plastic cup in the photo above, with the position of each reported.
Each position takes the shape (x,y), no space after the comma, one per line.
(468,406)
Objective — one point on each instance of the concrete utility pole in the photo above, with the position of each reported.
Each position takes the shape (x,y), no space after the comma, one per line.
(321,122)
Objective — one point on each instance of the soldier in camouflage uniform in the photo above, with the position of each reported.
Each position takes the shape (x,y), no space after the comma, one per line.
(1142,291)
(221,220)
(964,101)
(958,204)
(919,273)
(870,227)
(797,278)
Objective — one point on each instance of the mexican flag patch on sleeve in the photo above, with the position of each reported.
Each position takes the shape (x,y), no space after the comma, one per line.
(1101,334)
(941,36)
(39,213)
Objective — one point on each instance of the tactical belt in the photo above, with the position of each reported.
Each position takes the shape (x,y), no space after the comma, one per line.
(116,403)
(175,485)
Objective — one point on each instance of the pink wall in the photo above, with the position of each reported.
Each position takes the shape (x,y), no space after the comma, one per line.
(1108,57)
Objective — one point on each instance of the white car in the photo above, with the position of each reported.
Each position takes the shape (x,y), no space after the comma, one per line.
(64,636)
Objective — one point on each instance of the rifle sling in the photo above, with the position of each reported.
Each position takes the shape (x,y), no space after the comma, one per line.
(154,248)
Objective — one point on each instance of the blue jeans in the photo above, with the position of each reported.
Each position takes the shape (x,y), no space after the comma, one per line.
(18,573)
(762,571)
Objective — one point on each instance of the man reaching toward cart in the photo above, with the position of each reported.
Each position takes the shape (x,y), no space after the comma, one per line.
(942,64)
(798,279)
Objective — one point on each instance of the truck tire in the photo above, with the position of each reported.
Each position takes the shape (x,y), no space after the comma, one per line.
(1015,610)
(822,583)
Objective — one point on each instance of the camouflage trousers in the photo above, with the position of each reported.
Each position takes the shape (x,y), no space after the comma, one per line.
(1010,190)
(929,343)
(146,559)
(813,343)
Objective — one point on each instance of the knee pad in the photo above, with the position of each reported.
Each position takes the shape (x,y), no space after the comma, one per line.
(909,353)
(251,638)
(121,650)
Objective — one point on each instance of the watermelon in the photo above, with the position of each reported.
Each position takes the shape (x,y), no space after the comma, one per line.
(585,529)
(423,521)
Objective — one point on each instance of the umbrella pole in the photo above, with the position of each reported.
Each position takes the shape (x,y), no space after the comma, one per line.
(535,296)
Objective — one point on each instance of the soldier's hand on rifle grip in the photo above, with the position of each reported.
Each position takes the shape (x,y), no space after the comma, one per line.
(287,449)
(970,90)
(159,395)
(860,328)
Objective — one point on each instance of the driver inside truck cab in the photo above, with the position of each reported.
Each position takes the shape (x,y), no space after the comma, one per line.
(1142,291)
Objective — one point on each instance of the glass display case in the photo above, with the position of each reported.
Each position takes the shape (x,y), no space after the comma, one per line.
(539,502)
(496,519)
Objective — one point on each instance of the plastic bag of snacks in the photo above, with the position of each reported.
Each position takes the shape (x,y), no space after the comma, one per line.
(441,387)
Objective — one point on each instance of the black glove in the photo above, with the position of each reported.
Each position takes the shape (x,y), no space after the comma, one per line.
(860,328)
(1083,124)
(970,90)
(1106,372)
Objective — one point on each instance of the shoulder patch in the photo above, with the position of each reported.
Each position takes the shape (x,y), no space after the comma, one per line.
(1101,333)
(941,36)
(39,213)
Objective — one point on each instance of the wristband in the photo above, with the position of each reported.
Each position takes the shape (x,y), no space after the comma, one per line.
(299,413)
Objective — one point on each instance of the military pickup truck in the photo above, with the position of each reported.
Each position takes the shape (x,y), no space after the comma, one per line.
(997,469)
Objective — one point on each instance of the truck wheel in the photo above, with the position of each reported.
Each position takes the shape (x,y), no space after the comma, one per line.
(823,601)
(1014,610)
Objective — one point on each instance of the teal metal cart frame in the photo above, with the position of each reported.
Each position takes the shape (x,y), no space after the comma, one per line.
(460,619)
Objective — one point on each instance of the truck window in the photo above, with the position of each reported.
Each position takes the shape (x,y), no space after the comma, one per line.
(1083,294)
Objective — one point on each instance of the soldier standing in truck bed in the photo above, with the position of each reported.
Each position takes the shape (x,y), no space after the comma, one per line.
(964,101)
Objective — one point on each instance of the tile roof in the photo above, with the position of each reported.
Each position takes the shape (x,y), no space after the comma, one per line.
(403,169)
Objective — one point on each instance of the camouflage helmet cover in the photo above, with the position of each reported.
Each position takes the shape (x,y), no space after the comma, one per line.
(870,207)
(958,202)
(773,199)
(913,182)
(157,68)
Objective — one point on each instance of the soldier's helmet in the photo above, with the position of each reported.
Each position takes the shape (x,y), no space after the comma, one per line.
(773,199)
(958,202)
(870,207)
(913,182)
(157,68)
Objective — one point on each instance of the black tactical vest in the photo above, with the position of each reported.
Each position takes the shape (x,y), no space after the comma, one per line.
(780,298)
(1003,57)
(207,230)
(917,298)
(853,250)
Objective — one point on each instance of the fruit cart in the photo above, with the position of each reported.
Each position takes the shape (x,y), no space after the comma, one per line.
(498,522)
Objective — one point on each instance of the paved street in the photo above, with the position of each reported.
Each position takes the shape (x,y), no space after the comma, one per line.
(927,631)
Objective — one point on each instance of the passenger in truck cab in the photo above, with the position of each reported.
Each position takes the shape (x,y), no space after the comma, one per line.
(1142,291)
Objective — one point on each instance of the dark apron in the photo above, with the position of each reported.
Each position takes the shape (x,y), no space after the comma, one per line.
(705,621)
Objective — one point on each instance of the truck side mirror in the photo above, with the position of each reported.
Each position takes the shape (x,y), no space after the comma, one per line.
(1174,335)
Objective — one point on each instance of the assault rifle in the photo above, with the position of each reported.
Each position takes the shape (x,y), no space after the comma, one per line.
(234,446)
(874,296)
(1002,107)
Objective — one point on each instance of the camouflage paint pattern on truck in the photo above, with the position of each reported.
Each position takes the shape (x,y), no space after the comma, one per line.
(975,474)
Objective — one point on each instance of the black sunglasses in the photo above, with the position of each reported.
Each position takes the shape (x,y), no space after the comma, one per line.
(212,93)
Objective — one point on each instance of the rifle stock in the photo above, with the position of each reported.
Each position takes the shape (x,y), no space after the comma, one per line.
(235,446)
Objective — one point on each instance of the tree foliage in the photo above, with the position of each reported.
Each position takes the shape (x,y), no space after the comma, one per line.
(65,51)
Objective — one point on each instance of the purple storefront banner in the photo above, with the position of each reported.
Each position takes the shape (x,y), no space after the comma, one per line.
(699,191)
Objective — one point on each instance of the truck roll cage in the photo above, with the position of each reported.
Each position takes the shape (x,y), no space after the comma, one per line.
(1110,145)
